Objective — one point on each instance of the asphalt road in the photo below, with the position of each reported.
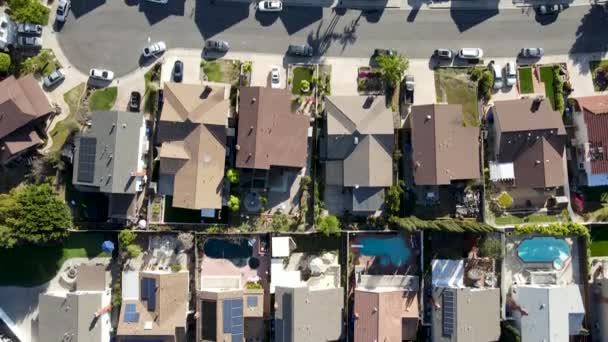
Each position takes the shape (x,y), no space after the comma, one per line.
(111,33)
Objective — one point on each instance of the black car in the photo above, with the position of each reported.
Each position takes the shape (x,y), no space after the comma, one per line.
(300,50)
(380,52)
(135,101)
(178,71)
(217,45)
(443,54)
(552,9)
(28,28)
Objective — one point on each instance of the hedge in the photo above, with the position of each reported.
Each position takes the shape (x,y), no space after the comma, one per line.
(413,223)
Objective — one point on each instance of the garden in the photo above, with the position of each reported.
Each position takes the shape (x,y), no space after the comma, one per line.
(370,81)
(455,86)
(524,78)
(599,74)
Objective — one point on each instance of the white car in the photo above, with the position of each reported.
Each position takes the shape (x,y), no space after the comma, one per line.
(270,6)
(154,49)
(63,9)
(510,74)
(101,74)
(470,53)
(275,77)
(498,80)
(160,1)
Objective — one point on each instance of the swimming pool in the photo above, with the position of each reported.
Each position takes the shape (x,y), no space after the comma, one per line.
(389,251)
(545,249)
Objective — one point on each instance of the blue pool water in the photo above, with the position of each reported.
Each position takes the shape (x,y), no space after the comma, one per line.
(391,251)
(544,249)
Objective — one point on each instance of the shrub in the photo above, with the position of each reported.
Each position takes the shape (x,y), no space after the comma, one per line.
(176,267)
(250,285)
(304,86)
(233,175)
(413,223)
(126,237)
(485,85)
(491,248)
(234,203)
(281,223)
(29,11)
(476,74)
(392,199)
(133,251)
(504,200)
(329,225)
(5,62)
(214,230)
(247,67)
(393,67)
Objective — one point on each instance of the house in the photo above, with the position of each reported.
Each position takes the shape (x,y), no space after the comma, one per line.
(81,315)
(357,151)
(443,149)
(548,312)
(270,134)
(591,139)
(8,31)
(109,158)
(154,304)
(386,308)
(192,137)
(305,314)
(529,139)
(462,312)
(24,110)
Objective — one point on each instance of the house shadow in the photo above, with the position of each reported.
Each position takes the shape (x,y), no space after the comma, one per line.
(588,37)
(416,5)
(466,19)
(155,12)
(297,18)
(266,18)
(212,19)
(82,7)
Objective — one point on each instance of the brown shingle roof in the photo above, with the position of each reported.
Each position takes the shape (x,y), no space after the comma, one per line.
(192,131)
(21,101)
(443,149)
(595,111)
(269,133)
(520,115)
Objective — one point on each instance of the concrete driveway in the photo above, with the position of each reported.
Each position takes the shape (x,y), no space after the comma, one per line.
(192,69)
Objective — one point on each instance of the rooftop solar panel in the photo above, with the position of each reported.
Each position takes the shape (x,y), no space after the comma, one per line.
(86,159)
(233,318)
(131,317)
(151,294)
(130,308)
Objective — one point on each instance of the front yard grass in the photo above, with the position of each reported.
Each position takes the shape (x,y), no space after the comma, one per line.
(30,265)
(103,99)
(221,70)
(300,74)
(526,85)
(600,82)
(547,77)
(454,86)
(64,128)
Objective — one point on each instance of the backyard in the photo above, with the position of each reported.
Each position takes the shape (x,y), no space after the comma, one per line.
(454,86)
(103,99)
(599,240)
(533,218)
(29,265)
(599,74)
(526,85)
(64,128)
(301,74)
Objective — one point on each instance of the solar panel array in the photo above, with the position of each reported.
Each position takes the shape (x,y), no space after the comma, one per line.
(448,313)
(131,314)
(148,292)
(233,318)
(86,159)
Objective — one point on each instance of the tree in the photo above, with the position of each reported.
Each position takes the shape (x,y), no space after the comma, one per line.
(36,64)
(485,85)
(29,11)
(5,62)
(491,248)
(329,225)
(126,237)
(392,199)
(233,175)
(234,203)
(504,200)
(281,223)
(32,214)
(133,250)
(393,67)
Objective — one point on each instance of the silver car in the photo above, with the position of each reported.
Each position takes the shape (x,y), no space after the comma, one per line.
(532,52)
(470,53)
(498,80)
(510,74)
(54,78)
(29,42)
(217,45)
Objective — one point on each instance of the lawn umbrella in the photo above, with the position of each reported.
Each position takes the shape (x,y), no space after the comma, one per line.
(107,246)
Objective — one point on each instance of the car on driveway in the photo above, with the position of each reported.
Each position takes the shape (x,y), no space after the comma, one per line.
(552,9)
(134,101)
(217,45)
(29,28)
(178,71)
(154,49)
(53,79)
(498,79)
(532,52)
(63,9)
(300,50)
(269,6)
(275,77)
(101,74)
(470,53)
(380,52)
(446,54)
(510,74)
(29,42)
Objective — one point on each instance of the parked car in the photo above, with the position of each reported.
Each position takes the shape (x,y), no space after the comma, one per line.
(443,54)
(154,49)
(409,83)
(217,45)
(53,79)
(269,6)
(498,79)
(63,9)
(379,52)
(29,28)
(160,1)
(552,9)
(275,77)
(300,50)
(29,41)
(135,101)
(101,74)
(532,52)
(510,74)
(178,71)
(470,53)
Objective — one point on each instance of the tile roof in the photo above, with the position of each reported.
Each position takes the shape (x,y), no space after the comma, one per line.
(595,112)
(269,132)
(443,149)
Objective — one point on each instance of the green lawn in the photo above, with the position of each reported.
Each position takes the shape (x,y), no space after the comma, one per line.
(508,220)
(103,99)
(454,86)
(526,86)
(300,74)
(64,128)
(534,218)
(34,265)
(546,76)
(212,70)
(599,241)
(592,66)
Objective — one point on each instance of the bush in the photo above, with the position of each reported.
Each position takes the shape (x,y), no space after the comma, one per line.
(413,223)
(281,223)
(250,285)
(133,251)
(485,85)
(126,237)
(5,62)
(392,199)
(176,267)
(491,248)
(304,86)
(233,175)
(37,64)
(504,200)
(234,203)
(476,74)
(29,11)
(329,225)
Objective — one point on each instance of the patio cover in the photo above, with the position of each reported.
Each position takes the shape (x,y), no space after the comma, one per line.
(448,273)
(501,171)
(130,285)
(283,278)
(280,246)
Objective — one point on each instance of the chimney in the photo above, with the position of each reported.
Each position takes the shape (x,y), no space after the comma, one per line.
(253,100)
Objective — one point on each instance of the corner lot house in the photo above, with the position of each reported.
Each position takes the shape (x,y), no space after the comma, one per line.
(591,121)
(192,137)
(109,158)
(24,110)
(529,138)
(357,150)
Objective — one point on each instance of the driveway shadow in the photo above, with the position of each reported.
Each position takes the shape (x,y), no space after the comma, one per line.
(373,16)
(82,7)
(296,18)
(266,18)
(466,19)
(212,19)
(147,61)
(589,36)
(155,12)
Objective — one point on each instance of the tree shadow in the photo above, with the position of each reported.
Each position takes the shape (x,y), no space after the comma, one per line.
(349,34)
(589,37)
(413,13)
(156,12)
(296,18)
(82,7)
(212,19)
(321,39)
(466,19)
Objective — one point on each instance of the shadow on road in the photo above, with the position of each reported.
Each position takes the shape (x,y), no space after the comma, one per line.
(590,36)
(212,19)
(466,19)
(82,7)
(155,12)
(415,4)
(296,18)
(321,39)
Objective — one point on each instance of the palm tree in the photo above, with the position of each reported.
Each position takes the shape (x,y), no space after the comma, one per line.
(393,67)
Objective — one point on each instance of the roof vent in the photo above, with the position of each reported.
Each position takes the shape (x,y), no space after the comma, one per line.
(253,100)
(428,117)
(237,147)
(356,140)
(148,325)
(250,130)
(124,125)
(537,162)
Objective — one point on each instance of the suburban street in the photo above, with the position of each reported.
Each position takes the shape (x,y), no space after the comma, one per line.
(111,33)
